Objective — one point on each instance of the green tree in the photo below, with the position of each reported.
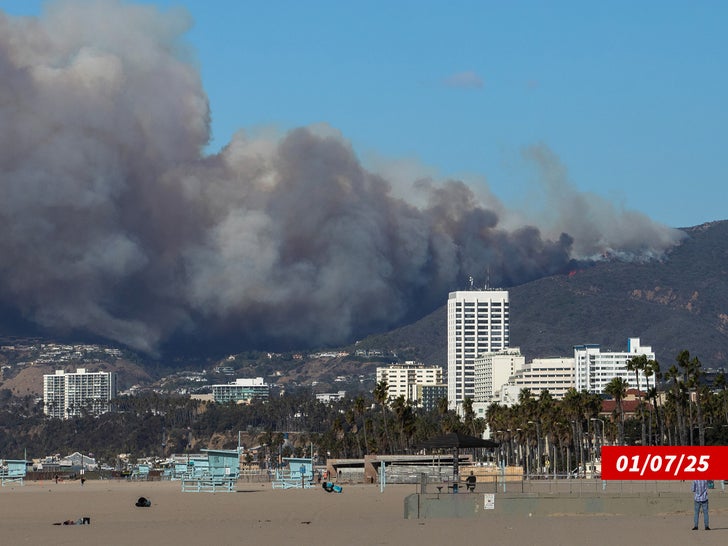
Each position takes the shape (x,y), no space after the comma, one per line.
(638,364)
(617,389)
(360,408)
(381,396)
(677,398)
(469,415)
(693,373)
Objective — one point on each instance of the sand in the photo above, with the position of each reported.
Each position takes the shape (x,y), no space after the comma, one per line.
(257,514)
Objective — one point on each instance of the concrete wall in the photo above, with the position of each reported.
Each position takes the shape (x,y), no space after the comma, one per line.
(465,505)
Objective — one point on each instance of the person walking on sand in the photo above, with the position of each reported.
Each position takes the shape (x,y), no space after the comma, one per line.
(700,493)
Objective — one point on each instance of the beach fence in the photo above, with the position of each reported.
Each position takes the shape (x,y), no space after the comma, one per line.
(254,475)
(209,484)
(443,474)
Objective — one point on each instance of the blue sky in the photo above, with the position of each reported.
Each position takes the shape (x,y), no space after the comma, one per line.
(629,95)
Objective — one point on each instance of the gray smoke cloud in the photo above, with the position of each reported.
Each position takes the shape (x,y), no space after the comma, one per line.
(114,222)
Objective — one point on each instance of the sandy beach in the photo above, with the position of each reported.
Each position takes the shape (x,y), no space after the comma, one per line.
(257,514)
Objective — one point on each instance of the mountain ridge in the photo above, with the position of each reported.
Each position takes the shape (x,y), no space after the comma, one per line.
(676,303)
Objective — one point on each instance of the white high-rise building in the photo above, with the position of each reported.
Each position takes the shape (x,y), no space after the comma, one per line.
(595,369)
(477,323)
(71,394)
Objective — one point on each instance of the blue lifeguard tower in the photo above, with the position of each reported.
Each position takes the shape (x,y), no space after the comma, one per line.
(13,471)
(141,472)
(297,475)
(219,472)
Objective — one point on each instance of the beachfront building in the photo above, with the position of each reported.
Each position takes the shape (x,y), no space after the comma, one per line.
(492,371)
(243,390)
(68,395)
(403,379)
(555,375)
(428,396)
(595,369)
(477,323)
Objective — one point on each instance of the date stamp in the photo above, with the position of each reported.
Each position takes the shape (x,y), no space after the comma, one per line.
(664,463)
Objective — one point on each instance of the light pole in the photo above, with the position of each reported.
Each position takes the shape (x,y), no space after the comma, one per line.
(601,443)
(502,462)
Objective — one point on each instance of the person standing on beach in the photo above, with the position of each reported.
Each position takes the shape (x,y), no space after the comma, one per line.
(700,493)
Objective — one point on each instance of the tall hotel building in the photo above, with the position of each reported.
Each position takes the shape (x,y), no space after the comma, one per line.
(70,394)
(477,323)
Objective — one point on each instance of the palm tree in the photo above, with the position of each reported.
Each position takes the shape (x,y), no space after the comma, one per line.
(638,364)
(353,427)
(677,399)
(617,389)
(381,396)
(572,406)
(653,368)
(405,419)
(469,415)
(693,373)
(529,423)
(496,418)
(359,410)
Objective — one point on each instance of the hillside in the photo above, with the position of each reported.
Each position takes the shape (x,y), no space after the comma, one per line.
(678,303)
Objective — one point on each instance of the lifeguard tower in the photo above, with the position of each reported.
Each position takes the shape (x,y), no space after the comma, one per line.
(141,472)
(13,471)
(220,473)
(297,475)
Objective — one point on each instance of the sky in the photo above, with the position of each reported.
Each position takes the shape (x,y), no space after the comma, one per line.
(629,96)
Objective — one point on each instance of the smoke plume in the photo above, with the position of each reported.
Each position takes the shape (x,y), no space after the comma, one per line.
(115,223)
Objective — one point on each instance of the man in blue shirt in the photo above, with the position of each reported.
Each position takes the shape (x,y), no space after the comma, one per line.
(700,492)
